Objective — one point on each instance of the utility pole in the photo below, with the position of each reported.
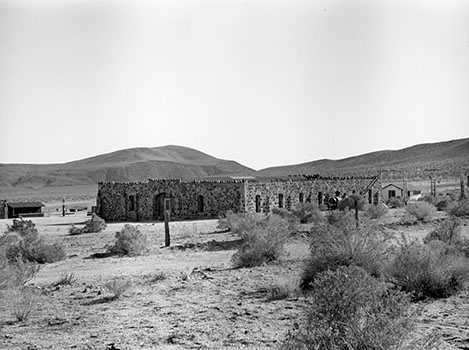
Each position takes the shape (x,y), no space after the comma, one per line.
(63,206)
(167,208)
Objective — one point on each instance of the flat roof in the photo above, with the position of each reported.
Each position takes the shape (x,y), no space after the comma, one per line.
(25,204)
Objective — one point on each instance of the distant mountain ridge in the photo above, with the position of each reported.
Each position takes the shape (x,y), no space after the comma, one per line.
(448,156)
(135,164)
(140,164)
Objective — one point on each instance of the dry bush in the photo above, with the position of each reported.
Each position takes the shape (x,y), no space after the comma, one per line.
(449,231)
(75,230)
(395,203)
(349,309)
(65,280)
(117,287)
(376,211)
(422,211)
(22,242)
(22,302)
(460,208)
(286,287)
(307,213)
(428,270)
(345,244)
(239,222)
(95,224)
(129,241)
(263,243)
(354,201)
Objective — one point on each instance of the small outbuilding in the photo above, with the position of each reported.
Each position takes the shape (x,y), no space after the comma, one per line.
(24,209)
(394,191)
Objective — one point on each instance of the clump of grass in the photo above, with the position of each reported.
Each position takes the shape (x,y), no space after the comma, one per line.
(422,211)
(428,270)
(129,241)
(65,280)
(263,243)
(23,302)
(376,211)
(344,244)
(286,287)
(155,277)
(117,287)
(349,309)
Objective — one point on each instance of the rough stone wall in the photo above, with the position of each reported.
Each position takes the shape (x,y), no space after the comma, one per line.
(144,201)
(3,209)
(189,199)
(290,190)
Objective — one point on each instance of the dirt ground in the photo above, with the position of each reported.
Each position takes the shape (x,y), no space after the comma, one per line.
(186,296)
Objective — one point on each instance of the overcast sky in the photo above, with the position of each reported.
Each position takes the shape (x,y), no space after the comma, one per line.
(264,83)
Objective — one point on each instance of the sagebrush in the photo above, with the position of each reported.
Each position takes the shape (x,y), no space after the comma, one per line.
(93,225)
(349,309)
(460,208)
(344,244)
(129,241)
(422,211)
(307,213)
(428,270)
(263,243)
(22,242)
(238,223)
(376,211)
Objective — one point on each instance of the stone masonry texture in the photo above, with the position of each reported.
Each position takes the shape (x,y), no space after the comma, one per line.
(146,201)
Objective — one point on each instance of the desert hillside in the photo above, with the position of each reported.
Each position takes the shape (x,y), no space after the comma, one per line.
(136,164)
(419,160)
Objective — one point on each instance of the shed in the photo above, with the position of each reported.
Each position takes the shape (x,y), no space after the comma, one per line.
(391,190)
(24,209)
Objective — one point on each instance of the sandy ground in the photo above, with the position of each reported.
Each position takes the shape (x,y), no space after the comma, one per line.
(186,296)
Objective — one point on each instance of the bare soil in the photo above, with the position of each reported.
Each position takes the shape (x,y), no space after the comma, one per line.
(186,296)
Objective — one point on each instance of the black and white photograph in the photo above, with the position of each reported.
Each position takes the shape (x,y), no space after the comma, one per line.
(234,174)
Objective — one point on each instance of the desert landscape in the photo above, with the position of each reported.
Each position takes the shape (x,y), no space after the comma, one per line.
(188,295)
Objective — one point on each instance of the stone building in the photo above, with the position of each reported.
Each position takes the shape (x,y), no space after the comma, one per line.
(147,201)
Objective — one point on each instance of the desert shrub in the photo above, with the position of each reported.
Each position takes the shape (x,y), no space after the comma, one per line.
(307,213)
(286,287)
(95,224)
(345,244)
(349,309)
(395,202)
(263,243)
(422,211)
(24,228)
(428,270)
(449,232)
(429,199)
(288,216)
(443,203)
(355,201)
(22,302)
(75,230)
(239,222)
(129,241)
(376,211)
(22,242)
(14,274)
(117,287)
(460,208)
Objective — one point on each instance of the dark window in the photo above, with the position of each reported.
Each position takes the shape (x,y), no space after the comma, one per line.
(258,204)
(200,203)
(302,197)
(391,193)
(280,200)
(319,198)
(288,203)
(370,196)
(131,203)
